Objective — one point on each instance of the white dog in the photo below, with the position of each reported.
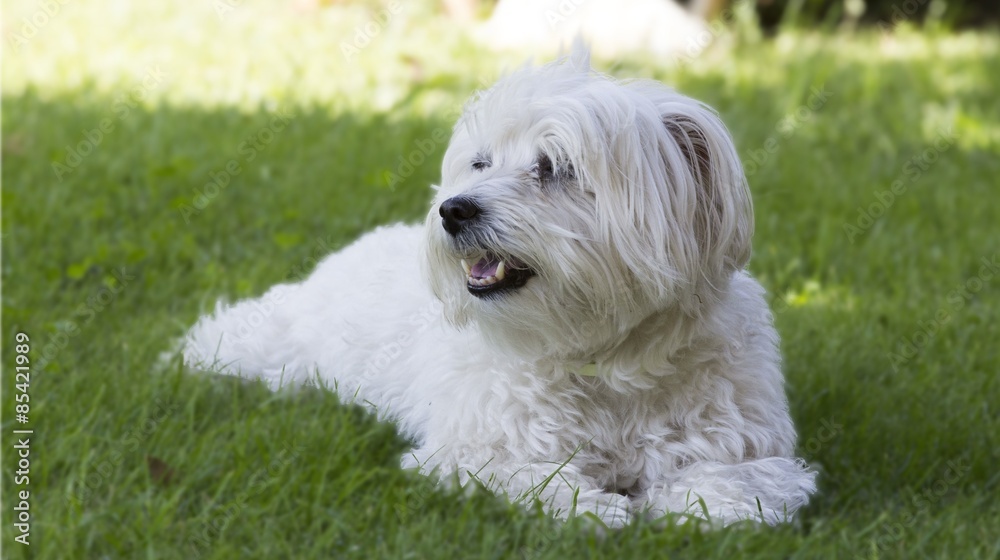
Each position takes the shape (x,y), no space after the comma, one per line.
(573,323)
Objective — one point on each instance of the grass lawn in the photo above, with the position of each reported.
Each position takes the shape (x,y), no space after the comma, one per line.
(873,160)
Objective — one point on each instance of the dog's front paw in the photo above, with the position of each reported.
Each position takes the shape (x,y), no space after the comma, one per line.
(616,514)
(768,490)
(613,510)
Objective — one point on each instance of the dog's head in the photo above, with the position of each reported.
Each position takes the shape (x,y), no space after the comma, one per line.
(573,206)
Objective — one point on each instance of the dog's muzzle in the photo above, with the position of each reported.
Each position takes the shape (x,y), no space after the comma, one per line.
(458,213)
(489,274)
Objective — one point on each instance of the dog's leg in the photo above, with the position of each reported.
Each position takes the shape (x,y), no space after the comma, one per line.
(249,338)
(561,489)
(354,322)
(769,490)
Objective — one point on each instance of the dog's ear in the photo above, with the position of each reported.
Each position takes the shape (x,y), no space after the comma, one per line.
(721,212)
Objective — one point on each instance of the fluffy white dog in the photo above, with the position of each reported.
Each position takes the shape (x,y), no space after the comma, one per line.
(573,323)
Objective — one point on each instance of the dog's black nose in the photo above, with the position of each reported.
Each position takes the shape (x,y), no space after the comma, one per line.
(457,212)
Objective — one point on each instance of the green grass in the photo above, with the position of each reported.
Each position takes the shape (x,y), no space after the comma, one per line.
(256,475)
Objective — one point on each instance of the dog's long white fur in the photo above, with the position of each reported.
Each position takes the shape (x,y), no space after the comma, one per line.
(638,248)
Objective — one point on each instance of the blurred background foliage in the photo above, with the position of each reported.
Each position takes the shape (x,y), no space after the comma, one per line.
(953,13)
(774,13)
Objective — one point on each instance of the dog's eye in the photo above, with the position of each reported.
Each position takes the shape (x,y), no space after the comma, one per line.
(546,170)
(544,167)
(481,162)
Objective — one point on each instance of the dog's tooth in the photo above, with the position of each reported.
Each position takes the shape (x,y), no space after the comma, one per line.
(501,271)
(465,265)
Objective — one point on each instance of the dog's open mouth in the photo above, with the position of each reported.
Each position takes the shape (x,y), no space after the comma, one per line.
(492,275)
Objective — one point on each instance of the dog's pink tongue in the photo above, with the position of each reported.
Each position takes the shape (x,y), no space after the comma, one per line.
(486,267)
